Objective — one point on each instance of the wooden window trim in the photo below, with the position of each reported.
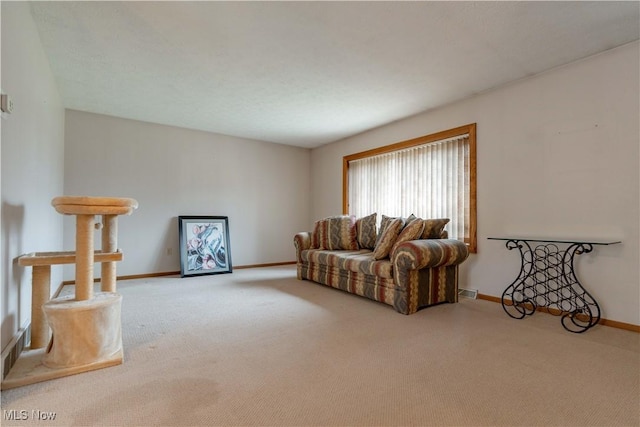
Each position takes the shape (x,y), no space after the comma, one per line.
(469,129)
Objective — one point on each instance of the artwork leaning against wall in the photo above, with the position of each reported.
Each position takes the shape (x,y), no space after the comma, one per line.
(204,245)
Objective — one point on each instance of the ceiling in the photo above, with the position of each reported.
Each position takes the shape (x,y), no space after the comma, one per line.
(309,73)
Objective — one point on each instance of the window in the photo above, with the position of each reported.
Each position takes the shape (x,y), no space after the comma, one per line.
(433,176)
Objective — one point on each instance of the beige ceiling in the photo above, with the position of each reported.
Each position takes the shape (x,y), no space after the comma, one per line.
(309,73)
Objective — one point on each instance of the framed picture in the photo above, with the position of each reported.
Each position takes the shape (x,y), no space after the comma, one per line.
(204,245)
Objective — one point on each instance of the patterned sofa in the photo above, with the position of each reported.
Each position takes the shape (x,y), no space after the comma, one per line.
(408,264)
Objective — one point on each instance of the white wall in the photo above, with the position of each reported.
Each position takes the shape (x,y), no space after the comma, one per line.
(32,163)
(558,157)
(263,188)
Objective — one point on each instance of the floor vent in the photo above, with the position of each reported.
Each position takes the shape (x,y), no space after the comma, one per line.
(468,293)
(14,349)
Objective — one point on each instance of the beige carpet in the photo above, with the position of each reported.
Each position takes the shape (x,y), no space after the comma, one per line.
(258,347)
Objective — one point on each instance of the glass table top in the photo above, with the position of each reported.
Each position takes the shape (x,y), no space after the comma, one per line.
(552,240)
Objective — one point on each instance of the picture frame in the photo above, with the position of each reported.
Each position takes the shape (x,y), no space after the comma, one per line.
(204,245)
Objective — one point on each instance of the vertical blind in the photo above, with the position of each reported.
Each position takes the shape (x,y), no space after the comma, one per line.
(430,181)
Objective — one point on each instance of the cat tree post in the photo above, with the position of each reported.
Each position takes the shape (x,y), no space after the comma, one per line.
(84,256)
(40,292)
(109,244)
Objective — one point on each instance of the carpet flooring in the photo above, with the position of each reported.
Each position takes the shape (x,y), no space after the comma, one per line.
(259,348)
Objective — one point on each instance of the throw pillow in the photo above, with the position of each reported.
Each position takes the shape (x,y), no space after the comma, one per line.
(433,228)
(315,244)
(366,231)
(387,238)
(384,222)
(411,231)
(335,233)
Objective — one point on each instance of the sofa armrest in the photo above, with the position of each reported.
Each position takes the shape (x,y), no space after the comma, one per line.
(301,241)
(429,253)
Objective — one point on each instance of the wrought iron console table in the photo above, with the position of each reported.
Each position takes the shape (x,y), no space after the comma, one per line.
(547,278)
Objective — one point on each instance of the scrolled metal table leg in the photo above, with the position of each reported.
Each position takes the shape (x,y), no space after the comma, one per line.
(581,311)
(515,301)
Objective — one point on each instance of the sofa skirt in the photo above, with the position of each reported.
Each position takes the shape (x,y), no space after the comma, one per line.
(426,287)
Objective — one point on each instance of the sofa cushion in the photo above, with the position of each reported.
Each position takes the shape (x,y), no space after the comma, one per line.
(412,231)
(367,264)
(433,228)
(335,233)
(360,261)
(387,239)
(327,257)
(366,231)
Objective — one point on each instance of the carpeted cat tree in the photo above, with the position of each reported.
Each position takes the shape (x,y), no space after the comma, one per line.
(86,327)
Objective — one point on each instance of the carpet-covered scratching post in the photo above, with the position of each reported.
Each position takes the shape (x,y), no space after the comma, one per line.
(40,292)
(109,244)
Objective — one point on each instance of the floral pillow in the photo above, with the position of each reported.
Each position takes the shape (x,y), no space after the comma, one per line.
(388,238)
(433,228)
(335,233)
(366,231)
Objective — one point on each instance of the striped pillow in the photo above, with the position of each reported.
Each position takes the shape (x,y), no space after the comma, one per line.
(335,233)
(388,238)
(384,223)
(433,228)
(411,231)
